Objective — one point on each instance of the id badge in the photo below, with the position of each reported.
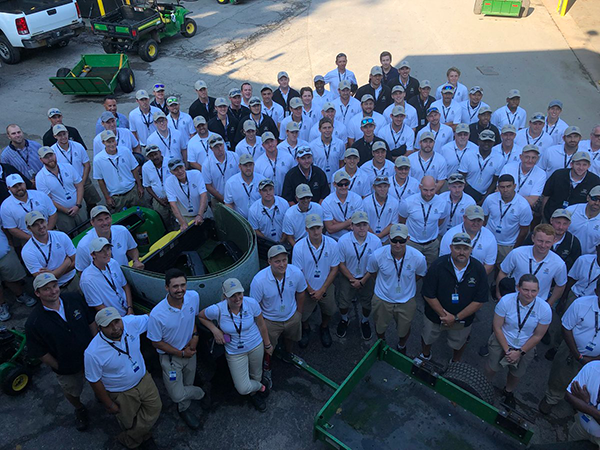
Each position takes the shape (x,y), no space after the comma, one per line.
(282,308)
(172,375)
(327,169)
(565,204)
(135,366)
(454,299)
(398,290)
(585,418)
(68,197)
(190,209)
(590,346)
(499,229)
(377,230)
(240,345)
(317,274)
(273,232)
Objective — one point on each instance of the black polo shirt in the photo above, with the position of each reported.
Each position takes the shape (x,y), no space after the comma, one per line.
(229,135)
(265,124)
(49,140)
(411,89)
(383,101)
(421,108)
(66,341)
(440,282)
(365,149)
(476,128)
(559,190)
(163,107)
(317,182)
(278,98)
(569,248)
(238,114)
(8,169)
(202,109)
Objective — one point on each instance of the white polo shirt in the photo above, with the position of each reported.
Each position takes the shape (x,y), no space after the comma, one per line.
(38,256)
(285,146)
(345,113)
(422,217)
(580,318)
(404,136)
(452,113)
(116,170)
(268,220)
(311,117)
(585,146)
(294,220)
(543,141)
(503,116)
(255,150)
(75,155)
(391,286)
(454,156)
(411,119)
(360,182)
(170,146)
(198,148)
(142,124)
(556,131)
(13,211)
(319,100)
(372,172)
(444,135)
(454,211)
(400,192)
(242,194)
(460,95)
(555,158)
(187,195)
(118,373)
(541,314)
(514,156)
(530,184)
(353,126)
(275,169)
(485,247)
(520,261)
(105,287)
(61,187)
(328,157)
(184,125)
(334,209)
(120,238)
(316,262)
(277,298)
(339,131)
(4,245)
(481,171)
(585,272)
(380,216)
(334,78)
(505,219)
(125,138)
(356,255)
(586,229)
(173,325)
(155,178)
(217,173)
(304,133)
(469,114)
(275,112)
(589,376)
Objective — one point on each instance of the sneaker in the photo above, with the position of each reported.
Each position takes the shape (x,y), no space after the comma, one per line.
(190,419)
(258,402)
(509,399)
(484,351)
(402,349)
(425,358)
(26,300)
(4,313)
(545,407)
(267,379)
(550,354)
(365,330)
(305,338)
(325,337)
(82,419)
(342,328)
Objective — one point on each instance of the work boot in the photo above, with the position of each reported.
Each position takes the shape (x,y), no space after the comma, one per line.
(365,330)
(325,337)
(509,399)
(27,300)
(305,338)
(264,392)
(267,379)
(258,402)
(4,313)
(82,419)
(342,328)
(545,407)
(190,419)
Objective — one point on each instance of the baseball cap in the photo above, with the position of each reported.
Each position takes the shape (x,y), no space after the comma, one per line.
(448,88)
(538,117)
(198,120)
(456,178)
(366,98)
(264,183)
(462,128)
(555,103)
(266,87)
(484,109)
(367,121)
(398,88)
(303,191)
(351,152)
(172,101)
(42,280)
(359,217)
(98,244)
(398,111)
(13,179)
(43,151)
(283,73)
(398,230)
(33,216)
(254,101)
(60,127)
(487,135)
(530,148)
(232,286)
(327,106)
(514,93)
(200,84)
(246,158)
(572,130)
(404,64)
(141,94)
(427,135)
(432,110)
(344,84)
(379,145)
(295,103)
(319,78)
(341,176)
(220,101)
(509,128)
(475,89)
(461,239)
(581,156)
(313,220)
(104,117)
(215,139)
(595,191)
(106,315)
(425,84)
(291,126)
(267,136)
(561,212)
(276,250)
(303,151)
(159,115)
(376,70)
(402,161)
(234,92)
(158,87)
(54,112)
(249,125)
(474,212)
(106,135)
(175,163)
(97,210)
(381,180)
(152,149)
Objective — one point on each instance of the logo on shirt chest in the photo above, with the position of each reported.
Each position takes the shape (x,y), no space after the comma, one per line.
(546,271)
(194,186)
(58,245)
(118,245)
(77,314)
(471,282)
(192,310)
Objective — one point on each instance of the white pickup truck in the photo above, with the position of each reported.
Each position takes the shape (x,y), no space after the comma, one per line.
(28,24)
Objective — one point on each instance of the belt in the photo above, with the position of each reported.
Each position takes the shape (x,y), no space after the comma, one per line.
(426,243)
(68,282)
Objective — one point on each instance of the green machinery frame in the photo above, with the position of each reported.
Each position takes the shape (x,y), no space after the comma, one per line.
(506,422)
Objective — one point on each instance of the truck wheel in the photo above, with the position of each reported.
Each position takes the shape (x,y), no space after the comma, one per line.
(477,6)
(109,47)
(126,80)
(189,28)
(148,50)
(16,381)
(471,380)
(525,6)
(8,53)
(63,72)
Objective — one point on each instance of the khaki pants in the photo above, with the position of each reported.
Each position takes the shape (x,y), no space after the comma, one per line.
(90,194)
(430,251)
(578,433)
(72,286)
(126,200)
(290,329)
(165,214)
(11,269)
(181,390)
(457,334)
(66,223)
(346,293)
(327,303)
(402,313)
(564,368)
(71,384)
(246,370)
(139,408)
(503,250)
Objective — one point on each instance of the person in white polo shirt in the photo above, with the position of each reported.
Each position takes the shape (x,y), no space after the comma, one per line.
(470,108)
(103,283)
(198,148)
(585,221)
(555,126)
(442,134)
(509,151)
(530,178)
(538,260)
(381,209)
(169,140)
(397,269)
(173,332)
(318,258)
(456,201)
(155,172)
(274,164)
(592,146)
(124,246)
(346,106)
(423,213)
(339,206)
(19,203)
(402,185)
(485,247)
(427,162)
(292,142)
(584,396)
(116,370)
(266,214)
(359,180)
(453,74)
(367,105)
(411,119)
(321,95)
(340,132)
(508,216)
(294,220)
(186,193)
(118,175)
(450,109)
(511,113)
(274,110)
(455,151)
(482,170)
(399,136)
(379,165)
(583,278)
(50,252)
(141,119)
(535,134)
(220,166)
(241,189)
(251,144)
(355,282)
(520,321)
(340,75)
(64,186)
(125,137)
(180,121)
(561,155)
(328,151)
(297,117)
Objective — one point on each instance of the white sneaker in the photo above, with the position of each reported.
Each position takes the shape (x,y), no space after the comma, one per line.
(27,300)
(425,358)
(4,314)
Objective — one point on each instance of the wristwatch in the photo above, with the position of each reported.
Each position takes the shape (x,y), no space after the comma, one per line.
(456,319)
(79,205)
(522,352)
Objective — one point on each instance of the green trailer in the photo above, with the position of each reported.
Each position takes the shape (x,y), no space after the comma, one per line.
(507,8)
(96,75)
(15,365)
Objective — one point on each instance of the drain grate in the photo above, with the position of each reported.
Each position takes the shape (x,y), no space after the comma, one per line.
(487,70)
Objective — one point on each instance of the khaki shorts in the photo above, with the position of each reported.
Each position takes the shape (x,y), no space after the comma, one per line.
(90,194)
(402,313)
(503,250)
(327,303)
(72,286)
(11,269)
(66,223)
(127,200)
(457,334)
(346,293)
(430,251)
(497,354)
(290,329)
(71,384)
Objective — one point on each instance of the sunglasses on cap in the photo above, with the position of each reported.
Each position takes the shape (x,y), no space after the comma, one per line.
(159,86)
(461,240)
(344,184)
(368,121)
(402,168)
(398,241)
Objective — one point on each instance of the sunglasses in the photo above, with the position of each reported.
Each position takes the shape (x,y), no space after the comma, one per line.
(597,135)
(367,122)
(159,86)
(344,184)
(461,241)
(595,198)
(398,241)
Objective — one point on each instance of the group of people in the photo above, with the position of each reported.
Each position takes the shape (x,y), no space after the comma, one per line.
(370,188)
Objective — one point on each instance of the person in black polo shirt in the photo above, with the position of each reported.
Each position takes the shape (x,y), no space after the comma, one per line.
(421,102)
(410,84)
(380,92)
(454,289)
(305,173)
(204,105)
(569,186)
(58,331)
(484,123)
(55,116)
(364,145)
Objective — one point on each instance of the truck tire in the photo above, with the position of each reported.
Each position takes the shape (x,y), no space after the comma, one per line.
(16,381)
(148,50)
(109,47)
(189,28)
(471,380)
(8,53)
(126,80)
(525,6)
(63,72)
(477,7)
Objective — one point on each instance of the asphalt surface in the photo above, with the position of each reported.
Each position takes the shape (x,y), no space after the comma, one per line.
(253,41)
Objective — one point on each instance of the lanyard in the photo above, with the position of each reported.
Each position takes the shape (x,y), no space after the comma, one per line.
(112,284)
(537,140)
(399,134)
(175,124)
(377,212)
(476,238)
(567,162)
(519,184)
(224,167)
(446,111)
(160,174)
(238,329)
(187,194)
(112,162)
(425,216)
(435,133)
(46,258)
(341,76)
(352,181)
(315,259)
(327,150)
(531,267)
(592,281)
(30,206)
(68,151)
(26,151)
(119,350)
(457,151)
(596,329)
(273,167)
(251,150)
(482,168)
(165,142)
(147,120)
(344,210)
(398,269)
(280,291)
(522,324)
(453,211)
(359,256)
(271,218)
(204,146)
(512,122)
(428,165)
(403,189)
(502,214)
(553,128)
(344,113)
(59,178)
(472,115)
(507,156)
(248,191)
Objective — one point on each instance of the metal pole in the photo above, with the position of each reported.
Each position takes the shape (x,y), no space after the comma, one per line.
(562,7)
